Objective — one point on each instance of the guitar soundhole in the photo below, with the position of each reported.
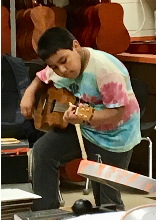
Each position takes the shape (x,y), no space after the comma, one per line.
(52,105)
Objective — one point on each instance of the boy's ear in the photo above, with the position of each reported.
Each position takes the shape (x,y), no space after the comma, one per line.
(76,45)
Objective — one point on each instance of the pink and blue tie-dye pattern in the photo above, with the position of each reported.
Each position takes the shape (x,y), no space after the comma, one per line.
(113,93)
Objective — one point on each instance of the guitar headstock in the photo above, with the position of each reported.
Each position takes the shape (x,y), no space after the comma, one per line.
(85,113)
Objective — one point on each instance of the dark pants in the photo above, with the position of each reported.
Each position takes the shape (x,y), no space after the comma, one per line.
(58,147)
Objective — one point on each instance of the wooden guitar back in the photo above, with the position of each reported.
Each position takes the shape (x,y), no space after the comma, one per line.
(20,33)
(43,18)
(79,23)
(60,16)
(112,37)
(96,20)
(88,29)
(25,28)
(28,39)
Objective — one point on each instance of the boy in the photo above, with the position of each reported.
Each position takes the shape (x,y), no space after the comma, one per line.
(100,80)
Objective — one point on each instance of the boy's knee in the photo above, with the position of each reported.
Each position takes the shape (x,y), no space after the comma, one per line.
(37,150)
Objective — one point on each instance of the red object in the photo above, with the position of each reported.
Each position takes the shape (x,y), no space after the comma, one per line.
(142,47)
(5,31)
(69,171)
(15,151)
(24,35)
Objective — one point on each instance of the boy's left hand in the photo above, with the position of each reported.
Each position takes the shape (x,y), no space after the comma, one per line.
(71,117)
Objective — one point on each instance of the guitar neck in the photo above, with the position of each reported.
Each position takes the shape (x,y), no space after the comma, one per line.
(60,107)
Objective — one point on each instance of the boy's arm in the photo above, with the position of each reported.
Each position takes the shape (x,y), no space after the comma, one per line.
(107,116)
(28,100)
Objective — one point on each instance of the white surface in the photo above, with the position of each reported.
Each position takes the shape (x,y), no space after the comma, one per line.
(16,194)
(99,217)
(133,16)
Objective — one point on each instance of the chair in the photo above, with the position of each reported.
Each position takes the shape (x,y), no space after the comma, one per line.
(141,92)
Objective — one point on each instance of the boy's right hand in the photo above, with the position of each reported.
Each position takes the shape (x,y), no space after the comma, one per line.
(27,106)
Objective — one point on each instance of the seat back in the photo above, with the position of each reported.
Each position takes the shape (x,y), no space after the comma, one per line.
(33,67)
(16,76)
(15,80)
(141,92)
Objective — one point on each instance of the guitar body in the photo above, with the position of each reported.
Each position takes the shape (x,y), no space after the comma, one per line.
(24,35)
(60,16)
(96,20)
(5,31)
(112,37)
(88,31)
(79,24)
(43,18)
(20,33)
(45,116)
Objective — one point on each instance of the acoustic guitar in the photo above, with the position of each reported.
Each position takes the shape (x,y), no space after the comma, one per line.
(76,22)
(112,37)
(52,104)
(43,18)
(60,16)
(24,34)
(88,27)
(38,19)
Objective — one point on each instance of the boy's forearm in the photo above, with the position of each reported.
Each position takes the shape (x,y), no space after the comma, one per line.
(107,116)
(34,86)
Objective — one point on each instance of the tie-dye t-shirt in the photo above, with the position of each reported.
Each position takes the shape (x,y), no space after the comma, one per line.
(105,83)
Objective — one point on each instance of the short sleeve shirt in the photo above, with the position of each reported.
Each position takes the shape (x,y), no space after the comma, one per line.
(105,83)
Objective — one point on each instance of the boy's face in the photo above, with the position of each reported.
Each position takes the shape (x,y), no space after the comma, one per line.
(66,63)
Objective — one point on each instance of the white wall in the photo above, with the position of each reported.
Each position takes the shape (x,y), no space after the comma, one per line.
(133,16)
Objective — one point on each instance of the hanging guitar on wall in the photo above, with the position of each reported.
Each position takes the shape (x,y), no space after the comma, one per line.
(102,28)
(112,37)
(5,31)
(43,18)
(24,34)
(32,23)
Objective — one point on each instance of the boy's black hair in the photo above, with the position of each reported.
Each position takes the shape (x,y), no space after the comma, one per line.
(52,40)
